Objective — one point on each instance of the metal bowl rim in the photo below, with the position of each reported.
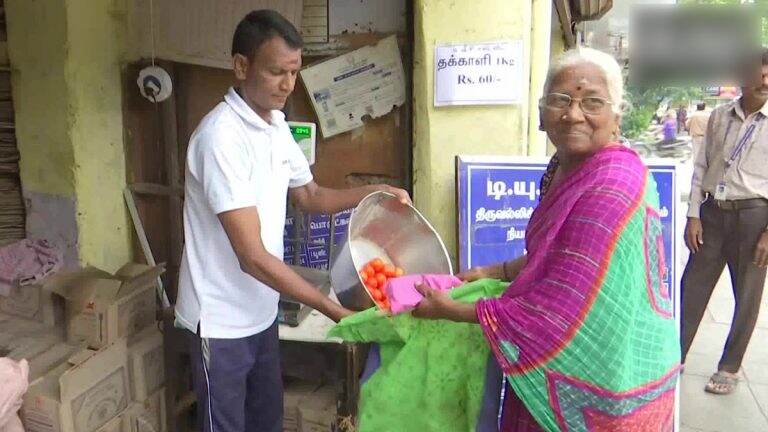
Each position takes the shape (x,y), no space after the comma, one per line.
(421,218)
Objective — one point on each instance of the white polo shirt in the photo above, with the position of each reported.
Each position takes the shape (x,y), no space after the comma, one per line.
(235,160)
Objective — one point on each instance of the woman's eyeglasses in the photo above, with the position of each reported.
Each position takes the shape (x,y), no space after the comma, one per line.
(591,105)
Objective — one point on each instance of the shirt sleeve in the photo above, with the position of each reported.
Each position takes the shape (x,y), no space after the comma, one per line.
(224,172)
(699,169)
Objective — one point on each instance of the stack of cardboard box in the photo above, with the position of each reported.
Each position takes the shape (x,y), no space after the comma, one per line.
(105,371)
(309,407)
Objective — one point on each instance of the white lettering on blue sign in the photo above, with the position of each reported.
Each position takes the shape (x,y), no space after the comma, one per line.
(500,189)
(489,215)
(515,234)
(318,225)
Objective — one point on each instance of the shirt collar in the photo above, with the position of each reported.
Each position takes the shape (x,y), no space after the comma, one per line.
(238,105)
(736,108)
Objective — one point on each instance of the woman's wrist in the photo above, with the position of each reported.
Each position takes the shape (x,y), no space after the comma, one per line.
(461,312)
(501,271)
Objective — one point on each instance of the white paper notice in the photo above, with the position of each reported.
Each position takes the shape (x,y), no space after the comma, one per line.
(365,82)
(479,74)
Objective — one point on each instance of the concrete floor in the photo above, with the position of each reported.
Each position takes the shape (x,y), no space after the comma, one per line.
(746,410)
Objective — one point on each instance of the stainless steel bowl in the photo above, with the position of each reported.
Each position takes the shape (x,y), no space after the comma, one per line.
(383,227)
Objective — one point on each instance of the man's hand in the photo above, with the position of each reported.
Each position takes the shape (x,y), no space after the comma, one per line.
(401,194)
(761,251)
(694,234)
(338,313)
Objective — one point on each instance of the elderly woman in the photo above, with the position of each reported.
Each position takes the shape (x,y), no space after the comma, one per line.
(584,333)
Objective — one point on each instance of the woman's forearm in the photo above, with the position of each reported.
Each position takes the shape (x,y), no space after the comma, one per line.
(460,312)
(509,270)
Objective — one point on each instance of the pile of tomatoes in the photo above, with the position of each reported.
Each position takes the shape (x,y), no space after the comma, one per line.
(375,275)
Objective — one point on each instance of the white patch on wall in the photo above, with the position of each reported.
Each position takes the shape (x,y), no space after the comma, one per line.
(314,21)
(366,16)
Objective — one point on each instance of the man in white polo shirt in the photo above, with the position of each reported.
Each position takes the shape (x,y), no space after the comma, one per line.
(242,163)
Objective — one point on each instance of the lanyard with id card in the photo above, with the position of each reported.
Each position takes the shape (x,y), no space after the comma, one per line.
(721,190)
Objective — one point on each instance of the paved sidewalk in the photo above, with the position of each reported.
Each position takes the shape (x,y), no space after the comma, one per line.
(746,410)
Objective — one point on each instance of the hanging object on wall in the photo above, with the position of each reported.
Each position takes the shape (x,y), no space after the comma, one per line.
(154,83)
(572,12)
(590,10)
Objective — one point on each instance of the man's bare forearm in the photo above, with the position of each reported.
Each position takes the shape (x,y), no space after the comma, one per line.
(284,280)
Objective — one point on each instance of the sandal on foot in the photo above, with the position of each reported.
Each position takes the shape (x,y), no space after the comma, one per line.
(721,383)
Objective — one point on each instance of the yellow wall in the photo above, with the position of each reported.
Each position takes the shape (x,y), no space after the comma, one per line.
(541,35)
(40,95)
(94,76)
(442,133)
(65,58)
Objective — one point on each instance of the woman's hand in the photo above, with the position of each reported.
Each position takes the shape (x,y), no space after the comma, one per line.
(434,305)
(476,273)
(506,271)
(439,305)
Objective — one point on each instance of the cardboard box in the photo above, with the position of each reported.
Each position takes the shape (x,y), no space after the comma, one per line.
(317,411)
(292,396)
(55,356)
(101,308)
(309,408)
(117,424)
(82,395)
(147,416)
(15,328)
(29,347)
(146,363)
(35,301)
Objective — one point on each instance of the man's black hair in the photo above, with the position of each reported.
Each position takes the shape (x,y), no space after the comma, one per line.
(701,106)
(258,27)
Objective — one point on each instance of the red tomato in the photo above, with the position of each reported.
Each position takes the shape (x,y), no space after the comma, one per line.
(377,295)
(363,276)
(399,272)
(385,304)
(377,264)
(389,270)
(381,279)
(369,270)
(372,283)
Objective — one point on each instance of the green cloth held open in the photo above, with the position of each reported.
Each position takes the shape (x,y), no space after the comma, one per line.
(432,373)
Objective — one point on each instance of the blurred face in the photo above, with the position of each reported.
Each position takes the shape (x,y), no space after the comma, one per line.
(573,131)
(268,80)
(758,93)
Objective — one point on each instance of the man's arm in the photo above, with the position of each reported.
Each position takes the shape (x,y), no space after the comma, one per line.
(700,166)
(313,198)
(243,227)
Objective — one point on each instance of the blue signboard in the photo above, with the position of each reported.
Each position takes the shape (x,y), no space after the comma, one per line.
(496,196)
(311,235)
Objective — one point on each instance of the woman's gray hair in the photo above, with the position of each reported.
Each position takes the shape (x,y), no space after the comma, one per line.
(609,66)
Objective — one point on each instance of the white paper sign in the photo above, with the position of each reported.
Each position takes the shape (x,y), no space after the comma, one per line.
(479,74)
(365,82)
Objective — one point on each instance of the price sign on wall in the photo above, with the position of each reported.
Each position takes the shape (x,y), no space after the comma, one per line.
(479,74)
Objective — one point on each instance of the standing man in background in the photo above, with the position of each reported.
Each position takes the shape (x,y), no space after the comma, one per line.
(682,118)
(242,162)
(728,224)
(697,126)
